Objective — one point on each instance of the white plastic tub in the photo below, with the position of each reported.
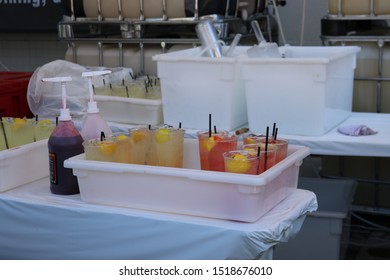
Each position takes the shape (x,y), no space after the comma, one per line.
(188,190)
(23,164)
(130,110)
(308,92)
(194,86)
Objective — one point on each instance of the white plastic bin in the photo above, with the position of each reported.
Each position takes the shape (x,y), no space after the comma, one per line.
(194,86)
(188,190)
(23,164)
(325,233)
(308,92)
(130,110)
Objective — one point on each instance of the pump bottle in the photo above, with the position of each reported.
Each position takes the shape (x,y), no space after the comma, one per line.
(64,142)
(93,124)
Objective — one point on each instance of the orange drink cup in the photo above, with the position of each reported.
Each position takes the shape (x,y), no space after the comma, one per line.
(212,147)
(241,161)
(166,147)
(267,159)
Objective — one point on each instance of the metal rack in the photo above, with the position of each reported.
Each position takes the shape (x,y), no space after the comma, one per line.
(161,32)
(344,29)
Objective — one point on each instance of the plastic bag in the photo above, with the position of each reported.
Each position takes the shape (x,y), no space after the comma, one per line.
(44,99)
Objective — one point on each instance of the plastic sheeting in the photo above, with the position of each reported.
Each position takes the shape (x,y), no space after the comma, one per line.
(36,224)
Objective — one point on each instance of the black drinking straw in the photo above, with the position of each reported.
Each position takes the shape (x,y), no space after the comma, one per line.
(273,130)
(179,124)
(5,135)
(56,121)
(146,87)
(210,125)
(127,91)
(149,126)
(102,136)
(131,75)
(276,133)
(266,149)
(258,161)
(215,129)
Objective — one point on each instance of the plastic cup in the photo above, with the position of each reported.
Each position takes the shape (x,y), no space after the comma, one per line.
(211,149)
(267,158)
(136,88)
(123,147)
(281,146)
(120,90)
(104,90)
(140,138)
(100,150)
(43,129)
(251,138)
(241,161)
(18,131)
(166,147)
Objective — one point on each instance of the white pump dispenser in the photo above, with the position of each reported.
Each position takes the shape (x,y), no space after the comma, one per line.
(64,111)
(93,124)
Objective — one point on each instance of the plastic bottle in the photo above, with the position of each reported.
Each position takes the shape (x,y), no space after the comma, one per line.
(64,142)
(93,124)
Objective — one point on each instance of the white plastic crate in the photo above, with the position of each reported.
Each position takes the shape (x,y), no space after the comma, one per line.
(23,164)
(130,110)
(308,92)
(188,190)
(194,86)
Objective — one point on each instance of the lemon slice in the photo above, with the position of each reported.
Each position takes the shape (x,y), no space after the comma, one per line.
(238,164)
(121,137)
(18,123)
(106,148)
(163,135)
(211,142)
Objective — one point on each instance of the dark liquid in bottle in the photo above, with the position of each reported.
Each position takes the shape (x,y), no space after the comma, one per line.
(62,180)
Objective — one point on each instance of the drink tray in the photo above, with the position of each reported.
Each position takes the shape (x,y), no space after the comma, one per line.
(188,190)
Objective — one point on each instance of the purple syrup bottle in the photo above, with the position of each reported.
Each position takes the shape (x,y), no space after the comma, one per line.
(64,142)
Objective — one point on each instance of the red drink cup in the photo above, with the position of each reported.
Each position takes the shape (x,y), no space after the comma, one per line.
(267,158)
(212,147)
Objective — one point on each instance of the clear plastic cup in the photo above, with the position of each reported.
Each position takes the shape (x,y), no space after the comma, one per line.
(212,147)
(100,150)
(123,147)
(43,129)
(18,131)
(241,161)
(251,138)
(267,157)
(140,138)
(281,146)
(166,147)
(104,90)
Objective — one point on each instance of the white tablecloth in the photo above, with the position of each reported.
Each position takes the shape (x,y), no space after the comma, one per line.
(335,143)
(36,224)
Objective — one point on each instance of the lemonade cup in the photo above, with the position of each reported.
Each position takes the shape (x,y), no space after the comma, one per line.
(211,149)
(123,147)
(18,131)
(166,147)
(140,138)
(100,150)
(241,161)
(267,158)
(43,129)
